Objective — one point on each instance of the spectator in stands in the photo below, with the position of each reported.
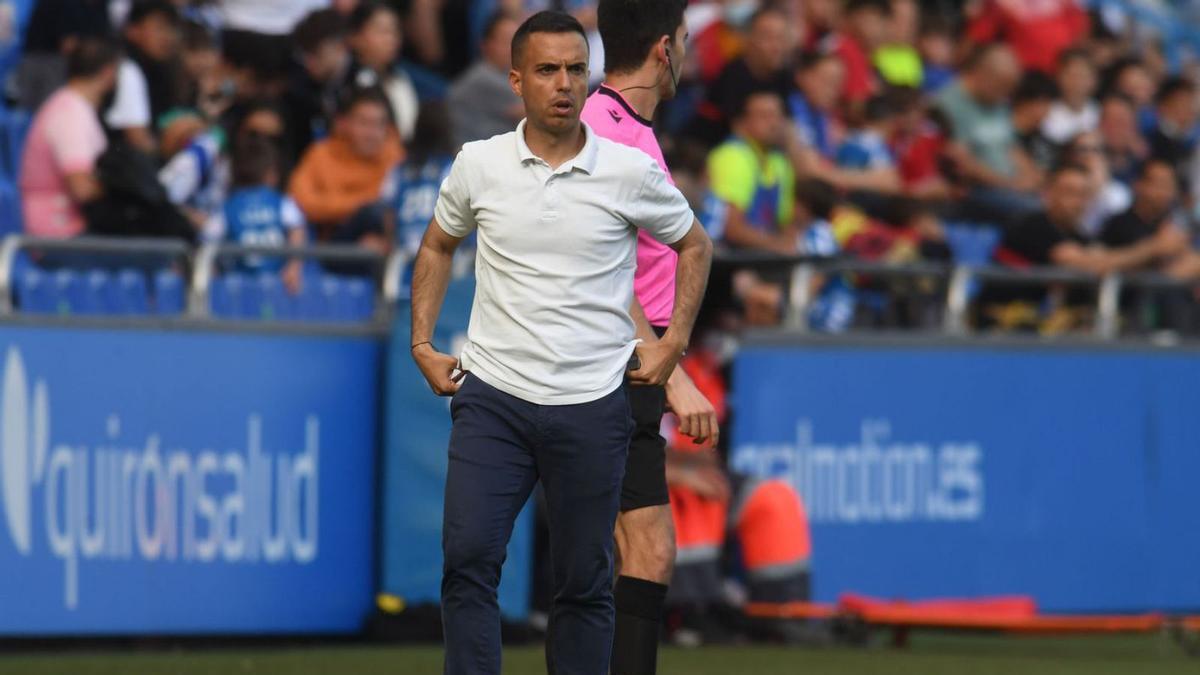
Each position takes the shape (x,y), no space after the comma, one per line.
(1156,193)
(752,175)
(256,39)
(755,180)
(1075,111)
(66,138)
(481,101)
(866,147)
(256,213)
(201,65)
(375,43)
(1054,235)
(322,58)
(761,67)
(1037,30)
(897,59)
(936,46)
(55,27)
(197,179)
(344,173)
(1173,138)
(864,29)
(148,82)
(813,105)
(412,189)
(989,161)
(832,310)
(920,145)
(1131,78)
(1032,102)
(1123,145)
(1109,196)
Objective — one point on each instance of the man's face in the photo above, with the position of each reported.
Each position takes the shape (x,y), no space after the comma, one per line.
(378,42)
(1180,110)
(822,84)
(768,42)
(156,35)
(328,61)
(366,128)
(871,27)
(1157,189)
(1067,198)
(550,74)
(1001,73)
(1077,80)
(1118,123)
(763,120)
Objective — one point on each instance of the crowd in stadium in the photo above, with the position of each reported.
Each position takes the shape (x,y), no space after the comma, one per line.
(860,128)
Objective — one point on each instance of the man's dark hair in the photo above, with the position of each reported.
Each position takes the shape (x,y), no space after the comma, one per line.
(1118,97)
(319,27)
(854,6)
(763,12)
(809,59)
(547,21)
(1153,162)
(1074,54)
(979,53)
(365,11)
(1172,87)
(145,9)
(195,36)
(879,108)
(1035,86)
(630,28)
(744,104)
(254,158)
(933,24)
(817,196)
(92,55)
(1067,166)
(356,96)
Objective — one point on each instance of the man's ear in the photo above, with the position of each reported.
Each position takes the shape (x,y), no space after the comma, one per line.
(514,81)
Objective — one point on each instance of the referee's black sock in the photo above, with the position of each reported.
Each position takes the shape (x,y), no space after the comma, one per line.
(639,605)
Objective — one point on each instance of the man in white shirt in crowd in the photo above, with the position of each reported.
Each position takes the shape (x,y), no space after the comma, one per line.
(538,390)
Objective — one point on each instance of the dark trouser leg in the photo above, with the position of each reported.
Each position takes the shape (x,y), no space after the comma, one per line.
(581,462)
(490,475)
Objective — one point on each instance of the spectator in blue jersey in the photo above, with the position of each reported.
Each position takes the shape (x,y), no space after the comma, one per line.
(832,309)
(866,147)
(411,191)
(813,106)
(258,214)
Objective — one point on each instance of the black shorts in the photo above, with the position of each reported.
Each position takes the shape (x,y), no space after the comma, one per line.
(645,481)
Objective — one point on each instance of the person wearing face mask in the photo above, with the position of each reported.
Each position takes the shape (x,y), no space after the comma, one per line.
(58,175)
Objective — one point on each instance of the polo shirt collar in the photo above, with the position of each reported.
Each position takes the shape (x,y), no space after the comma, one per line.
(585,161)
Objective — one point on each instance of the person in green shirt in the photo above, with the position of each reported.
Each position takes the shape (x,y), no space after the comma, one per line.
(898,61)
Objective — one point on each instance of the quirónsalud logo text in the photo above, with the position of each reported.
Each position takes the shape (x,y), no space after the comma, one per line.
(151,500)
(875,478)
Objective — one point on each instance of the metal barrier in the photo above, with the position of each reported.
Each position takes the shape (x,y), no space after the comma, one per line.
(200,265)
(959,281)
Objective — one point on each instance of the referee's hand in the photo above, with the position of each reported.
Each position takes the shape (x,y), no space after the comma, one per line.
(441,371)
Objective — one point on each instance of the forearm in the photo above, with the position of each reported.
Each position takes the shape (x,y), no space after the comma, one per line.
(691,278)
(431,276)
(1129,257)
(642,329)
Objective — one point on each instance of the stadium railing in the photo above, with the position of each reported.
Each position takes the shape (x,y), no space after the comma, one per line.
(956,283)
(139,280)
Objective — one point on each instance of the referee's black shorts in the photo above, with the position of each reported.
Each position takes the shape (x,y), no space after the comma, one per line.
(645,481)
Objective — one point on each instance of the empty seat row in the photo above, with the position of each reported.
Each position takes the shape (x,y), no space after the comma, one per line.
(98,292)
(263,297)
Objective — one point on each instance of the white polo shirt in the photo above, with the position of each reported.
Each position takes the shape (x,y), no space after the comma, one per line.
(555,259)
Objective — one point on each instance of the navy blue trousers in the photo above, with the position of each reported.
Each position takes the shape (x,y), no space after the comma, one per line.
(500,447)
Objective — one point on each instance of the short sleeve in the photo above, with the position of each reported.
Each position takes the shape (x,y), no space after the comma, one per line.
(77,139)
(453,212)
(290,214)
(732,176)
(131,107)
(181,176)
(661,208)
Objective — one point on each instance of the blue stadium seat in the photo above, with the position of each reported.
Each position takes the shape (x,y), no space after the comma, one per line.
(359,299)
(228,296)
(972,244)
(168,293)
(95,296)
(275,303)
(130,297)
(67,287)
(330,289)
(34,294)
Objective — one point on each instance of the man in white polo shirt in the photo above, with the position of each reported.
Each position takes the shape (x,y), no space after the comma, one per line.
(541,395)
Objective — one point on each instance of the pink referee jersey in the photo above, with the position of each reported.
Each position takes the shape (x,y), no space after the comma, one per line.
(611,116)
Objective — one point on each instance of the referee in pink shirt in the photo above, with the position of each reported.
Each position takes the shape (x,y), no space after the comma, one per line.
(644,43)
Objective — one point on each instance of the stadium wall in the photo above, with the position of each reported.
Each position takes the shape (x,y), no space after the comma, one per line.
(964,469)
(176,482)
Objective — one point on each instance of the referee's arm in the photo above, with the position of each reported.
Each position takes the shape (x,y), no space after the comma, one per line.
(431,276)
(691,276)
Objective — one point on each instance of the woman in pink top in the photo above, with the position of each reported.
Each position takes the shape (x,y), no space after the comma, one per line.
(57,168)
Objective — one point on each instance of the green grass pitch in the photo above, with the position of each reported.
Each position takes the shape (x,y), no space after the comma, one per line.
(928,654)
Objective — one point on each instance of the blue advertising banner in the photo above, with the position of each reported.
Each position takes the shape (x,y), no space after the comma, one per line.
(174,482)
(1066,475)
(416,436)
